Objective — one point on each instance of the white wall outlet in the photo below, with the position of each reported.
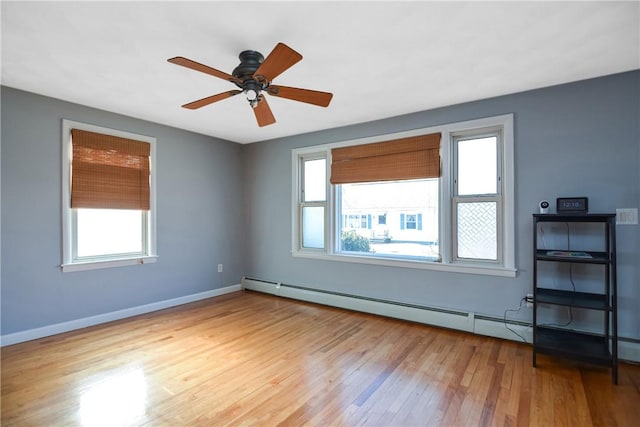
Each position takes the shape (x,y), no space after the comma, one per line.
(219,268)
(627,216)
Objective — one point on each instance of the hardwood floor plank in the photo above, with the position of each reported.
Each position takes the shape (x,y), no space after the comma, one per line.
(253,359)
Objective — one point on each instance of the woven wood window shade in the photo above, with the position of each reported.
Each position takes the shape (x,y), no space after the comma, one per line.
(109,172)
(415,157)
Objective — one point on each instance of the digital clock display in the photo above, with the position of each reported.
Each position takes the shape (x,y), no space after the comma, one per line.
(572,204)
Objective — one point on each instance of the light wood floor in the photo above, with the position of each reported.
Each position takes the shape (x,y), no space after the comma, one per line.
(254,359)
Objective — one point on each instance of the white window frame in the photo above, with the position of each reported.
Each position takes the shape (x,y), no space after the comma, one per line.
(69,261)
(300,203)
(506,267)
(496,198)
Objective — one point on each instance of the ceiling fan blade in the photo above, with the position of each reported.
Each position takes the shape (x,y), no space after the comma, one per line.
(281,58)
(263,113)
(314,97)
(179,60)
(211,99)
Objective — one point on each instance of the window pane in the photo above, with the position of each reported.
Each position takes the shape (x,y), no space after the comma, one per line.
(313,227)
(356,221)
(477,166)
(396,218)
(109,232)
(315,178)
(477,230)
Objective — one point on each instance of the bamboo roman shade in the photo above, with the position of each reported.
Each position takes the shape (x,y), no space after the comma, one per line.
(109,172)
(415,157)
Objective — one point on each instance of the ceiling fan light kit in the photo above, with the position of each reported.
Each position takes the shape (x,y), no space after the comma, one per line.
(253,76)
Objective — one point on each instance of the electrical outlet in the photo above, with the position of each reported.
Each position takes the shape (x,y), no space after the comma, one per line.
(219,268)
(529,299)
(627,216)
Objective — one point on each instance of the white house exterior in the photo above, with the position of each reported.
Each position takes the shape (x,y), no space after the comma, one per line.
(409,213)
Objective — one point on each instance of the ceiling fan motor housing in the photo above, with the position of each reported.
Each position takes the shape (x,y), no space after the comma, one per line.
(250,61)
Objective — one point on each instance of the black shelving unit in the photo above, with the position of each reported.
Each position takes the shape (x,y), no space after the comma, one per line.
(600,348)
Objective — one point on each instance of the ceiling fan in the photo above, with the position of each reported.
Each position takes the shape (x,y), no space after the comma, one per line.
(254,76)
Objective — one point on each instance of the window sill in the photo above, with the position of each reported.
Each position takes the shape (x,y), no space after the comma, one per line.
(482,269)
(110,263)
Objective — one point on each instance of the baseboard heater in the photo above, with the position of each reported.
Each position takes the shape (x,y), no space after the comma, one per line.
(446,318)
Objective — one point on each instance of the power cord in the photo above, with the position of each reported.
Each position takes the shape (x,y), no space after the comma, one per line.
(529,300)
(573,284)
(515,310)
(544,244)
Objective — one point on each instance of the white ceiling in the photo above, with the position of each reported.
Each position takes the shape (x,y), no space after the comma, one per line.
(379,59)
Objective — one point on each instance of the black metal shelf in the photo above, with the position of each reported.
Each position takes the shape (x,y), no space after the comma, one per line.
(557,255)
(600,348)
(572,299)
(574,345)
(577,217)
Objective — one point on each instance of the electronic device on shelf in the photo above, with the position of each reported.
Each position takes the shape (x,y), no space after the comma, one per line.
(569,254)
(576,205)
(544,206)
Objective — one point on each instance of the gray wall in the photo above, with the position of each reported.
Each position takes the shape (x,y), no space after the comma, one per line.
(570,140)
(220,202)
(199,197)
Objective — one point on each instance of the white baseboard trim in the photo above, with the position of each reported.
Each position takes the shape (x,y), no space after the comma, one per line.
(464,321)
(58,328)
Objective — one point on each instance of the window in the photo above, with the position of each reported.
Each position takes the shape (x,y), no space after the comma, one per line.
(398,233)
(409,221)
(312,201)
(355,221)
(458,216)
(108,197)
(108,232)
(477,209)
